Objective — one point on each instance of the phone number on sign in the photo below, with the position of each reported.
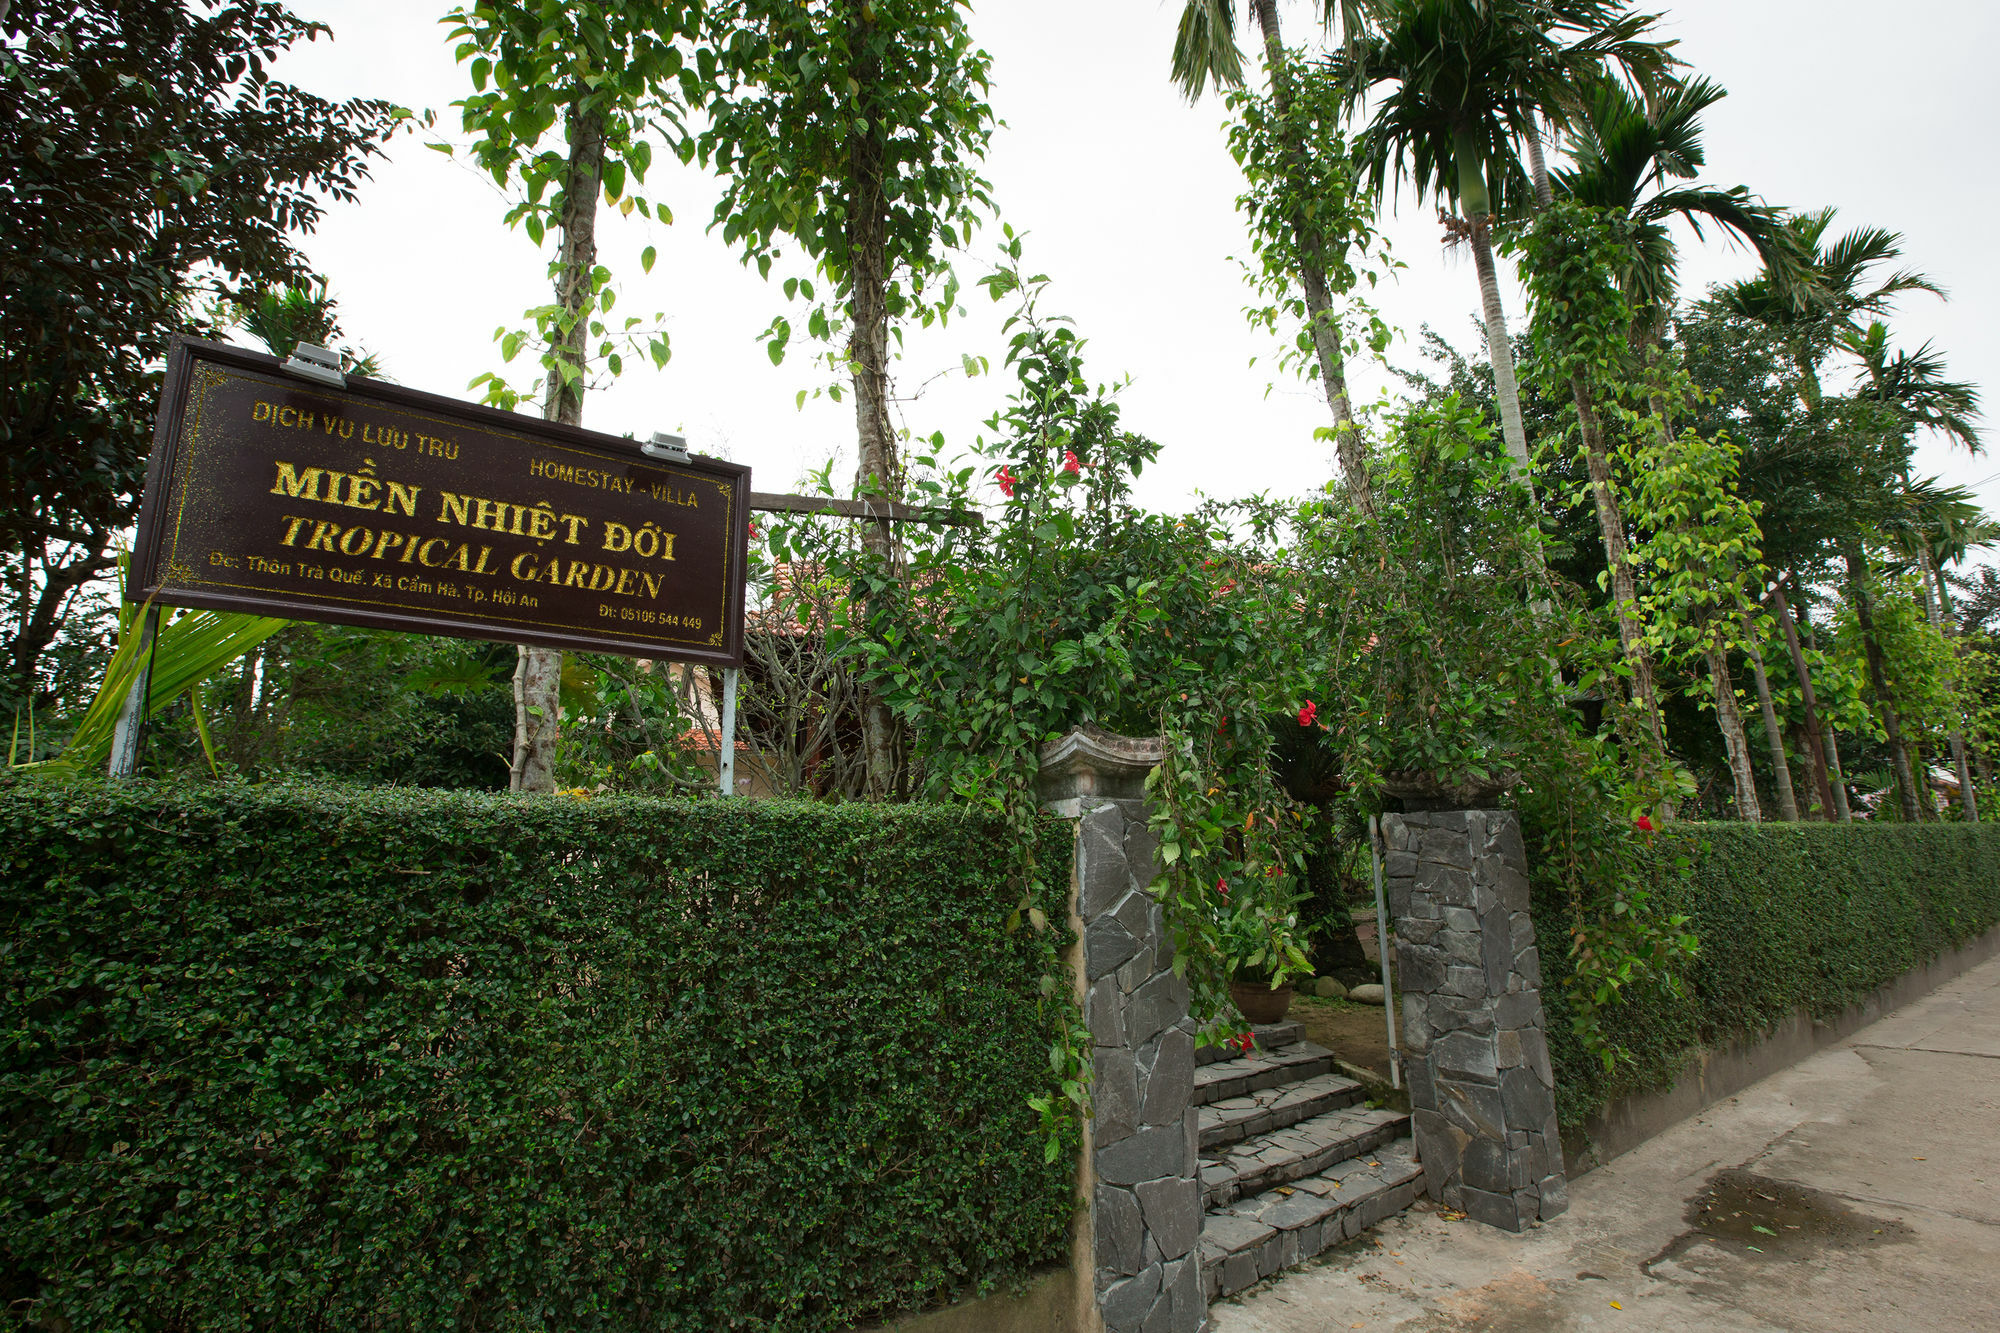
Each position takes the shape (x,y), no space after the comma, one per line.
(645,617)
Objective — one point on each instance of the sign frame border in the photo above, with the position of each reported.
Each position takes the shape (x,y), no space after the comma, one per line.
(149,537)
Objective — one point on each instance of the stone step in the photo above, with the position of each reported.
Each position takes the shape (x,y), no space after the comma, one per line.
(1268,1036)
(1237,1118)
(1307,1148)
(1293,1063)
(1254,1238)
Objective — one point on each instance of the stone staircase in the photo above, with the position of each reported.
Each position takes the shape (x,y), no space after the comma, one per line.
(1292,1162)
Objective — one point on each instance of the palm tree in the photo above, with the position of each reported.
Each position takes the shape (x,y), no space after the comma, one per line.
(1205,55)
(283,317)
(1634,159)
(1468,79)
(1939,524)
(1814,318)
(1632,162)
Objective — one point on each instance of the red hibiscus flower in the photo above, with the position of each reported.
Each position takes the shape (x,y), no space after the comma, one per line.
(1244,1042)
(1070,465)
(1222,887)
(753,527)
(1308,713)
(1007,482)
(1644,824)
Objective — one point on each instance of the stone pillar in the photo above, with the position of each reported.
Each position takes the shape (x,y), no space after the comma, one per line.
(1482,1095)
(1141,1163)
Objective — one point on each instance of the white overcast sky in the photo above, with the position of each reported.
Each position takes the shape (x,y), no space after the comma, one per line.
(1127,198)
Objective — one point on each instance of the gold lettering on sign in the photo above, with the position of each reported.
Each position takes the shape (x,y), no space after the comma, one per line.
(647,540)
(352,490)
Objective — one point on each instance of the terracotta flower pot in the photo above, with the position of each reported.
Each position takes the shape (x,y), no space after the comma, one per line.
(1259,1003)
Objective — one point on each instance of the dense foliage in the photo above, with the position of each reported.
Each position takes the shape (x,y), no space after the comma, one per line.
(147,158)
(1790,917)
(1560,591)
(293,1058)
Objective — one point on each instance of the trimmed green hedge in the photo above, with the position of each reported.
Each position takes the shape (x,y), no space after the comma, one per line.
(1789,916)
(291,1058)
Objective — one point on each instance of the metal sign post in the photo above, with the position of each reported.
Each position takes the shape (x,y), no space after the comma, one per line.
(726,745)
(131,728)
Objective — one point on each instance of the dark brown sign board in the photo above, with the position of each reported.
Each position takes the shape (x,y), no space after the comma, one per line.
(383,506)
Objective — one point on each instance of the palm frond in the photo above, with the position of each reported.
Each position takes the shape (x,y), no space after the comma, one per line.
(1205,51)
(190,647)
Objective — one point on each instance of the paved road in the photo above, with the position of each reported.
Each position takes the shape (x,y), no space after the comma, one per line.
(1858,1190)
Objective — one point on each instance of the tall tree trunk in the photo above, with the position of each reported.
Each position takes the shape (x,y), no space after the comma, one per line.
(1349,446)
(1860,587)
(1781,767)
(1835,769)
(877,471)
(1814,749)
(1477,203)
(1499,350)
(1538,165)
(538,671)
(1943,623)
(1618,560)
(1729,718)
(1816,807)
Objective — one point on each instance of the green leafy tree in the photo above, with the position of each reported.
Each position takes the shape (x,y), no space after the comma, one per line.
(1846,285)
(1814,466)
(1701,561)
(1939,525)
(1581,319)
(148,160)
(567,100)
(1600,268)
(855,129)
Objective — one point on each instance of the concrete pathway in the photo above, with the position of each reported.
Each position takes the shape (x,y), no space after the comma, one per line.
(1858,1190)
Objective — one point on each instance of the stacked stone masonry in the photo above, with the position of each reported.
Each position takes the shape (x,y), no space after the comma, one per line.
(1147,1207)
(1482,1093)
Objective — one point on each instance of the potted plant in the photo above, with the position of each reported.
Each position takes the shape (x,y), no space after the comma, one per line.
(1263,948)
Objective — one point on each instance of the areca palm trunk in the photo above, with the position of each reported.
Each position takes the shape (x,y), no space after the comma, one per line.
(1325,328)
(1617,559)
(1860,585)
(1506,388)
(1939,610)
(538,671)
(1729,718)
(1477,203)
(1781,767)
(1817,753)
(1830,736)
(1538,166)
